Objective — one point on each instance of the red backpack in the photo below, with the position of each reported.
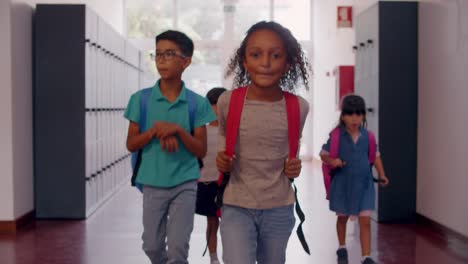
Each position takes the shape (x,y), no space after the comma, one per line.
(236,104)
(334,148)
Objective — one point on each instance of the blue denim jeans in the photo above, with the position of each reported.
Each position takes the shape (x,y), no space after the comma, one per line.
(250,235)
(168,213)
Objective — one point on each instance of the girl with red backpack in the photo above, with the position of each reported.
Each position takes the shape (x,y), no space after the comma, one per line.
(258,201)
(351,192)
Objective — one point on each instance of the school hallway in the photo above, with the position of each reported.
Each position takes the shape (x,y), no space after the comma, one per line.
(69,67)
(112,235)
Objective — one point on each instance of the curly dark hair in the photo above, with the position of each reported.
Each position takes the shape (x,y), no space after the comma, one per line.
(295,58)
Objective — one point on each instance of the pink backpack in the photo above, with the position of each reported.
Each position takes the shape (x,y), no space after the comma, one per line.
(334,147)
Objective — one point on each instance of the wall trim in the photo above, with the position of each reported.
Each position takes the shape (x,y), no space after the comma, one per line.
(439,228)
(11,227)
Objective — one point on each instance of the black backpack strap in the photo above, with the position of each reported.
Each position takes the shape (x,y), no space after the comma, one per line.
(300,214)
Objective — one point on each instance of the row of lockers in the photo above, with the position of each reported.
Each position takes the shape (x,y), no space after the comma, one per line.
(84,75)
(367,58)
(112,75)
(105,137)
(112,64)
(108,78)
(98,32)
(100,186)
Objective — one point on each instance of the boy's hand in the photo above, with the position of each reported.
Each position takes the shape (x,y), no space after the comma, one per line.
(292,168)
(169,144)
(384,181)
(162,129)
(337,163)
(224,162)
(151,132)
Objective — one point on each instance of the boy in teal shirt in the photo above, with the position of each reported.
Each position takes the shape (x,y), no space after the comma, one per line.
(169,169)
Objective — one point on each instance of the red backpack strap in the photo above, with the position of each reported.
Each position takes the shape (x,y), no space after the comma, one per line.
(294,120)
(236,104)
(372,147)
(334,143)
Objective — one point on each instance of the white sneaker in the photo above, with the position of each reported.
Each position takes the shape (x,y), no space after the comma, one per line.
(215,261)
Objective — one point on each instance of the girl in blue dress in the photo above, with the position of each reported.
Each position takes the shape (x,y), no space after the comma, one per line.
(352,191)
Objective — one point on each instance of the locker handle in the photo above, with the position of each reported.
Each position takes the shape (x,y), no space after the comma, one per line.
(355,48)
(370,110)
(370,43)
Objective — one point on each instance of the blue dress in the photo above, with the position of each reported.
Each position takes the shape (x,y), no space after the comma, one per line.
(352,188)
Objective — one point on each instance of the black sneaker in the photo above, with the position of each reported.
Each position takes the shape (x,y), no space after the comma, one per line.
(342,254)
(369,261)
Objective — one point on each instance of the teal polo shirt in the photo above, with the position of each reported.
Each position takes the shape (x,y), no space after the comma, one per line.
(160,168)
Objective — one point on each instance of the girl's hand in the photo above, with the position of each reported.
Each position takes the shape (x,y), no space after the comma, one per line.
(224,162)
(162,129)
(169,144)
(292,168)
(337,163)
(384,181)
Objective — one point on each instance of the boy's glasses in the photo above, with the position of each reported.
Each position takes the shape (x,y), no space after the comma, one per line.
(167,55)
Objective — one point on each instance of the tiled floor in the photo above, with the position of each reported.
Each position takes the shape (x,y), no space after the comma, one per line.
(112,235)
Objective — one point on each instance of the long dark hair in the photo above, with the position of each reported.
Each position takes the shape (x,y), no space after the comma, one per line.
(353,104)
(295,58)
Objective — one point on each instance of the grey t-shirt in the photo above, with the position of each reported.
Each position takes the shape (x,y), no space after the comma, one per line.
(258,180)
(209,172)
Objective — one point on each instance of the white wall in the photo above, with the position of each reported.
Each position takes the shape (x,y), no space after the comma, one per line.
(16,157)
(443,116)
(21,110)
(6,159)
(332,47)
